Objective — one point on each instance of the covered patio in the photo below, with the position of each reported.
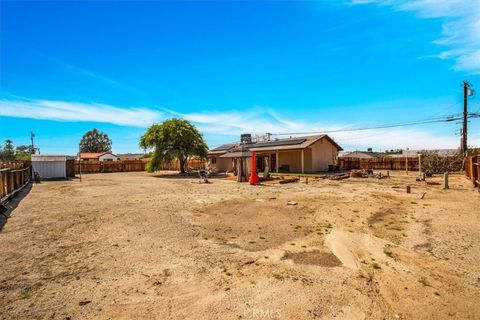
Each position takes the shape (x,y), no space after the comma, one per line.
(308,154)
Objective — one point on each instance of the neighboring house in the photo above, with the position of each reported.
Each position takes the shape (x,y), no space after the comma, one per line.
(299,154)
(439,152)
(131,156)
(97,156)
(363,154)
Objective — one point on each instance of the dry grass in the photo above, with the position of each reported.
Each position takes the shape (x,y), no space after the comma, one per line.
(136,245)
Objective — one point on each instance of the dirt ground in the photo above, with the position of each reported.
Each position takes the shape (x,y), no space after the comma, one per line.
(152,246)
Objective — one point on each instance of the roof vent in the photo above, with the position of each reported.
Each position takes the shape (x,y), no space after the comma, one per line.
(246,138)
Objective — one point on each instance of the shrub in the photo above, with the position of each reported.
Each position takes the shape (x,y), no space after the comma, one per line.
(433,163)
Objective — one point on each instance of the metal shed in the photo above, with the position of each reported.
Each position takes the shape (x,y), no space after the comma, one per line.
(50,166)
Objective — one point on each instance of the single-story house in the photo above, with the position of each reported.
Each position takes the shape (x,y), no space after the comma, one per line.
(438,152)
(363,154)
(131,156)
(97,156)
(306,154)
(49,166)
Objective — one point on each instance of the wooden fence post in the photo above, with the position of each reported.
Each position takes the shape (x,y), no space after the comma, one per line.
(419,165)
(11,181)
(2,186)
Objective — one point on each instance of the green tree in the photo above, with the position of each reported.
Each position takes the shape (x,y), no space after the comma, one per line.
(95,141)
(23,152)
(8,153)
(173,139)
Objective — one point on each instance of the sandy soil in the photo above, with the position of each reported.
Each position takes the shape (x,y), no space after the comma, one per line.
(143,246)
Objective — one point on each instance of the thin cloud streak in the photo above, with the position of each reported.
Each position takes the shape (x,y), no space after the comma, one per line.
(77,111)
(95,76)
(227,126)
(460,29)
(263,120)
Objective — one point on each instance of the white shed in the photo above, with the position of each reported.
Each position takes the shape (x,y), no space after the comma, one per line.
(50,166)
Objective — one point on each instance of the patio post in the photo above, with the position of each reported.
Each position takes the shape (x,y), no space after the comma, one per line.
(303,162)
(277,160)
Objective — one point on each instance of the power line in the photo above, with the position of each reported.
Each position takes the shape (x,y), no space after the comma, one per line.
(446,119)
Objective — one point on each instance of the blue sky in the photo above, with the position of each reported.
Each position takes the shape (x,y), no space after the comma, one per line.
(234,67)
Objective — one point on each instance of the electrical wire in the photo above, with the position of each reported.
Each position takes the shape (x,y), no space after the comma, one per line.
(445,119)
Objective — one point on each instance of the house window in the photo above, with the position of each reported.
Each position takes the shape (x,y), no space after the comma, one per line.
(214,160)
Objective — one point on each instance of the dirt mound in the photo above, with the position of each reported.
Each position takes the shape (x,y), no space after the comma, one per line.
(341,245)
(315,257)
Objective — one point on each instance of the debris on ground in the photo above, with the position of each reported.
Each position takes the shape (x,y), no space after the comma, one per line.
(292,203)
(357,174)
(288,180)
(340,176)
(368,174)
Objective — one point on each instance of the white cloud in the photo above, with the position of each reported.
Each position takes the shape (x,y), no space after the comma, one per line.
(95,76)
(258,120)
(227,126)
(77,111)
(460,35)
(262,120)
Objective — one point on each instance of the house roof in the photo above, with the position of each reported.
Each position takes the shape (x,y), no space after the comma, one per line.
(272,145)
(128,156)
(237,154)
(291,143)
(93,155)
(439,152)
(363,154)
(224,147)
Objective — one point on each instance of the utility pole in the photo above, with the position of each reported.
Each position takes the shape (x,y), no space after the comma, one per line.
(32,135)
(466,85)
(32,151)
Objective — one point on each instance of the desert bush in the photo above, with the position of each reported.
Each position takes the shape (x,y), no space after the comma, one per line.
(433,163)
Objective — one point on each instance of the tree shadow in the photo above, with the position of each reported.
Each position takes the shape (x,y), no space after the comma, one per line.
(187,176)
(7,209)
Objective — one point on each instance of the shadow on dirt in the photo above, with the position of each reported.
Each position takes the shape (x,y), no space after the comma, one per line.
(180,176)
(7,209)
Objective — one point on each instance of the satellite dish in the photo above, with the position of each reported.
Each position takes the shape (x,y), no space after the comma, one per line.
(470,92)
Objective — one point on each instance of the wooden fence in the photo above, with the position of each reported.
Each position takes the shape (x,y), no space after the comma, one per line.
(108,166)
(472,169)
(383,163)
(13,177)
(125,166)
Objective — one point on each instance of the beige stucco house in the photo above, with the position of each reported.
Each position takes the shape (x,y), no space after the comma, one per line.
(307,154)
